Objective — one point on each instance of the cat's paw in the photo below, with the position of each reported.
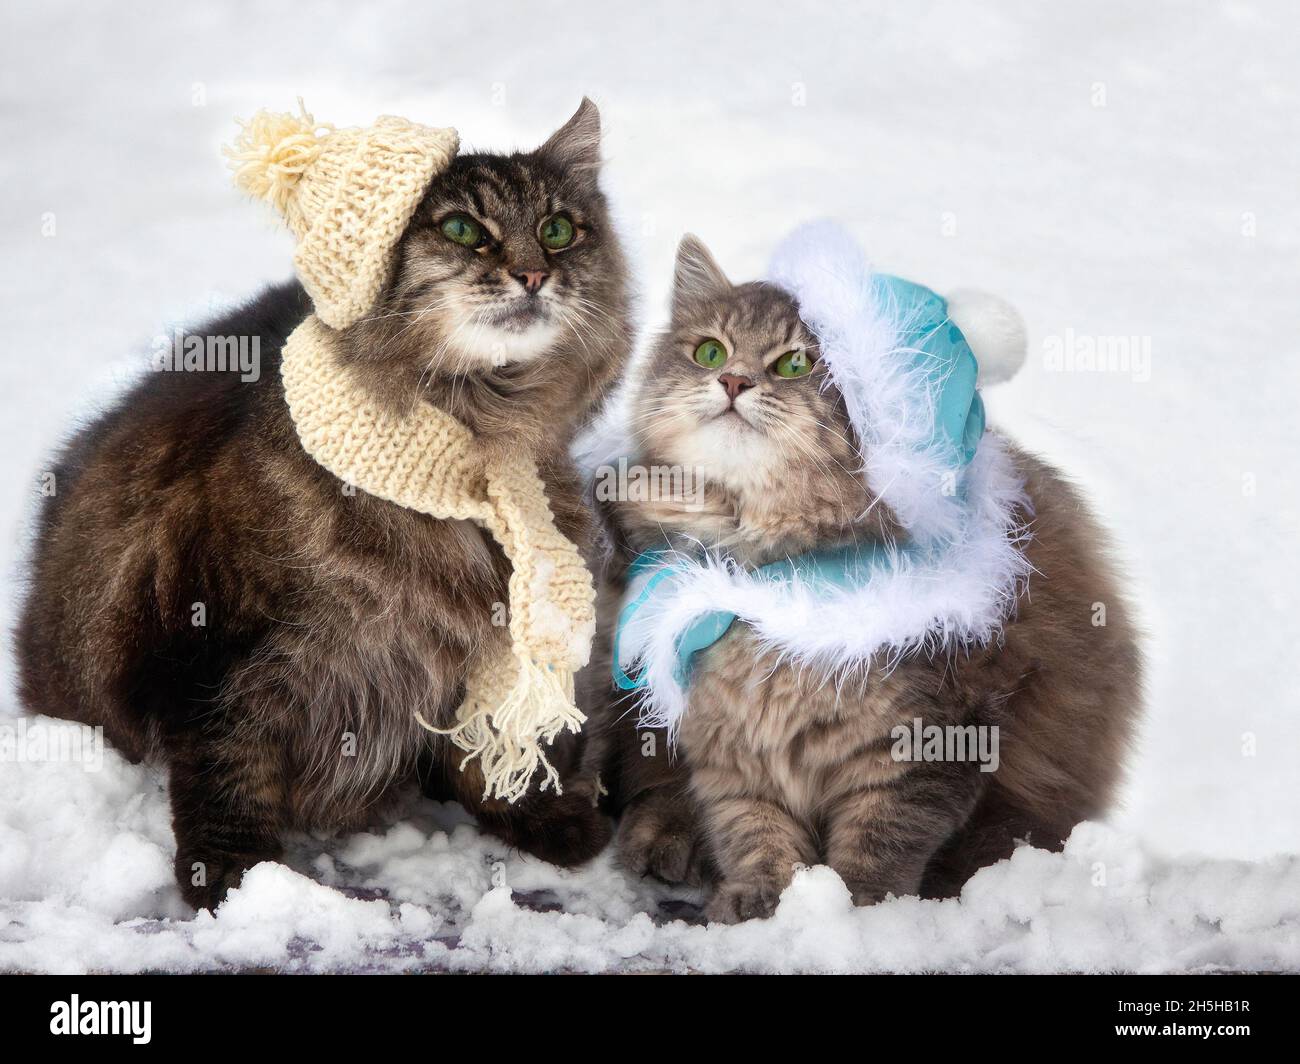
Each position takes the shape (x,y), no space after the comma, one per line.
(206,879)
(566,829)
(865,894)
(868,890)
(736,901)
(659,836)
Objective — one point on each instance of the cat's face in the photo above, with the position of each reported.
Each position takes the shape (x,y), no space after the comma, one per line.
(735,388)
(505,258)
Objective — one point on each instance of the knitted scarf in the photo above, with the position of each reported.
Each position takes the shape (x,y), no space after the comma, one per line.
(517,696)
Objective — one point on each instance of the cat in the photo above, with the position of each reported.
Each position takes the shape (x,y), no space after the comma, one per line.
(778,765)
(219,603)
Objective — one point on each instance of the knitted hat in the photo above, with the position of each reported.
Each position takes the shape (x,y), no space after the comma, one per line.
(346,194)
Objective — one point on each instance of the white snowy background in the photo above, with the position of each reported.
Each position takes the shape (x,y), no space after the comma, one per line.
(1115,169)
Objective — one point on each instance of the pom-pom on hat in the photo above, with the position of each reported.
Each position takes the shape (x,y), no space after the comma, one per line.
(346,194)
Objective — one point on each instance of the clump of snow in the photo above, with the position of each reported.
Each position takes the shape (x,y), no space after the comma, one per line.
(86,885)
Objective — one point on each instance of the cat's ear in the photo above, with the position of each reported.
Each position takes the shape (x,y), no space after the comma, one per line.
(697,275)
(575,146)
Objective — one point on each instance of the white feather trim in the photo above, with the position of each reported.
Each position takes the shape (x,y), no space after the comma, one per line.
(950,596)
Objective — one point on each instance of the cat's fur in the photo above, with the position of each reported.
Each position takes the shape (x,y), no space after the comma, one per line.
(331,616)
(778,765)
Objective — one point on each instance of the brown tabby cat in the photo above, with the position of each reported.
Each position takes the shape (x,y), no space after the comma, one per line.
(217,601)
(777,766)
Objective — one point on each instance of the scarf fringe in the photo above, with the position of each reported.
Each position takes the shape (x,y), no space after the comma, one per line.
(507,736)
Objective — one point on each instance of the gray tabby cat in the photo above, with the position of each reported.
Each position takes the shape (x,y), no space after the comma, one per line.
(776,766)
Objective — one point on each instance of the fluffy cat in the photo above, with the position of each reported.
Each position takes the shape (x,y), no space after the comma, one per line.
(778,765)
(329,616)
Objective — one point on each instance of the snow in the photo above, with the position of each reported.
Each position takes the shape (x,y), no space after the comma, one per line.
(1115,170)
(425,891)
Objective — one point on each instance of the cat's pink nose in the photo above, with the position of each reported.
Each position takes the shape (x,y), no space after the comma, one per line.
(734,384)
(532,280)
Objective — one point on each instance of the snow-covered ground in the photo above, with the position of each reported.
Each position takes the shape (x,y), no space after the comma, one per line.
(85,871)
(1117,170)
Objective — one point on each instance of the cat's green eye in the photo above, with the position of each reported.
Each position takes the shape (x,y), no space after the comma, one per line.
(557,232)
(711,354)
(793,364)
(463,231)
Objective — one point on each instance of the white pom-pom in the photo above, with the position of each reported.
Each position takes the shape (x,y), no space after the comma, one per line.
(994,330)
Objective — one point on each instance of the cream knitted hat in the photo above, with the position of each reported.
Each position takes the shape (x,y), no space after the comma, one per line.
(347,195)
